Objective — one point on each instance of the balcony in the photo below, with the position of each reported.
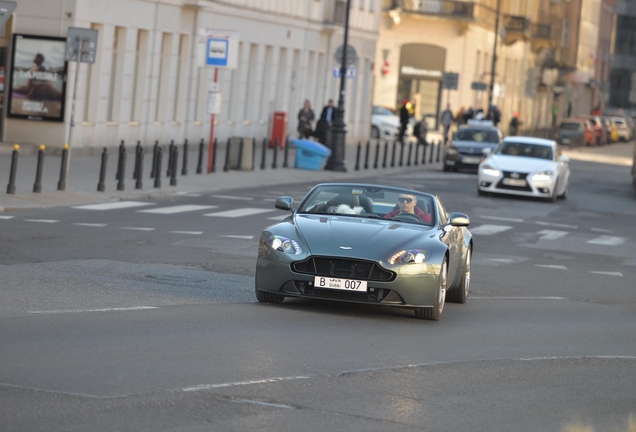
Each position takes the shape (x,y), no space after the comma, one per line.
(463,11)
(516,29)
(541,37)
(335,12)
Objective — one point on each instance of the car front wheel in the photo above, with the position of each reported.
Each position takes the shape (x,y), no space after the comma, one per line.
(375,132)
(461,293)
(435,313)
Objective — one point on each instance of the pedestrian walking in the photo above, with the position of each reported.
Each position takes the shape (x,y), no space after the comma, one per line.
(468,115)
(515,122)
(405,115)
(447,120)
(305,119)
(323,126)
(496,115)
(420,130)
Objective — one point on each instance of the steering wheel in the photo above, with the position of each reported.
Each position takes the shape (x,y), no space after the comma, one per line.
(407,217)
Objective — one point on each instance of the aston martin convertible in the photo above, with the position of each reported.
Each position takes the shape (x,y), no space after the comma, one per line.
(369,244)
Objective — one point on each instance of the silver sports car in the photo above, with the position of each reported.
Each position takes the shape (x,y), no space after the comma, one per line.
(368,244)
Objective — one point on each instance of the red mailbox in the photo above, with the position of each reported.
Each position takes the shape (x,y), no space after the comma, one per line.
(279,129)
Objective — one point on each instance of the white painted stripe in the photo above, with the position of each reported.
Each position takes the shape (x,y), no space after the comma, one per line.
(556,225)
(552,235)
(517,298)
(244,383)
(507,260)
(95,310)
(556,267)
(262,403)
(114,205)
(42,220)
(489,229)
(177,209)
(238,236)
(7,217)
(230,197)
(187,232)
(276,218)
(246,211)
(137,228)
(95,225)
(497,218)
(607,240)
(602,230)
(608,273)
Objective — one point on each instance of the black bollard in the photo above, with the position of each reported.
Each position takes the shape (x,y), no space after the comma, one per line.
(61,185)
(170,155)
(377,153)
(263,153)
(417,154)
(155,150)
(240,155)
(430,157)
(357,167)
(200,161)
(386,150)
(286,152)
(274,166)
(14,168)
(139,162)
(393,154)
(175,166)
(226,167)
(214,147)
(158,168)
(122,170)
(424,147)
(101,187)
(138,150)
(184,167)
(402,145)
(408,159)
(366,156)
(122,149)
(37,186)
(439,149)
(253,152)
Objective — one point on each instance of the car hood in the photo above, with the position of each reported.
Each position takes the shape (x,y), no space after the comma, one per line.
(518,163)
(348,236)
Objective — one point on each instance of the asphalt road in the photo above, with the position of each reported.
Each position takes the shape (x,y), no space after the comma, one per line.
(144,318)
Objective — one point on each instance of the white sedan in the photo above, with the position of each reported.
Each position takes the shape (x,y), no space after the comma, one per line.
(525,166)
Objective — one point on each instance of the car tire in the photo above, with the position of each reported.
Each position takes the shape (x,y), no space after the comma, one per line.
(564,195)
(446,168)
(267,297)
(375,132)
(553,197)
(435,313)
(481,192)
(460,294)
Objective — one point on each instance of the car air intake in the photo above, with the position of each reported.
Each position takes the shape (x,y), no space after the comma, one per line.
(343,268)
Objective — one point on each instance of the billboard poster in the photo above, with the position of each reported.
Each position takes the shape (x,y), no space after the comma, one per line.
(38,79)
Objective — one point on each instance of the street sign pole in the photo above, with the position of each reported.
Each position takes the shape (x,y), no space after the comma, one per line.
(212,119)
(70,129)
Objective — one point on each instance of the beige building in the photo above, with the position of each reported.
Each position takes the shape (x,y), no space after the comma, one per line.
(147,83)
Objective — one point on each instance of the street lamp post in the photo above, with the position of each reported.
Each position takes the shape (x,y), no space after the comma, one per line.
(336,161)
(494,62)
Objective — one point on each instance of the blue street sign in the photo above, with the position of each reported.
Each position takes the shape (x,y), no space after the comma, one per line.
(217,52)
(351,72)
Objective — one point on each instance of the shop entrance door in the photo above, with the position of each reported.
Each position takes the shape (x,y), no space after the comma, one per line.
(425,93)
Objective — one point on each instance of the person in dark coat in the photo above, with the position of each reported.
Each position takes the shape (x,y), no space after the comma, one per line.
(515,122)
(323,126)
(404,119)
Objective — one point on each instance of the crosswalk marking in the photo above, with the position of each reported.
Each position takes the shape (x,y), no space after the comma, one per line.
(113,205)
(556,267)
(489,229)
(551,235)
(503,219)
(230,197)
(608,273)
(137,228)
(602,230)
(51,221)
(276,218)
(242,237)
(245,211)
(95,225)
(607,240)
(187,232)
(556,225)
(7,217)
(177,209)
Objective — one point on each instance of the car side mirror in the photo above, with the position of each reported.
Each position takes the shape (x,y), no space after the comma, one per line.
(284,203)
(459,219)
(486,150)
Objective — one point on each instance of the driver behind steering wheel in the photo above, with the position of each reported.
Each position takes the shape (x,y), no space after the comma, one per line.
(407,204)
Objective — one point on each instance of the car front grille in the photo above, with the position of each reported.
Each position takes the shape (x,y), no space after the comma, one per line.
(343,268)
(520,176)
(470,151)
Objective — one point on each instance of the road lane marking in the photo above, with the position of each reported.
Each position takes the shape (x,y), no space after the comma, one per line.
(556,225)
(177,209)
(137,228)
(42,220)
(273,405)
(239,198)
(278,218)
(187,232)
(113,205)
(246,211)
(556,267)
(552,235)
(602,230)
(7,217)
(95,225)
(504,219)
(62,311)
(607,240)
(489,229)
(607,273)
(517,298)
(245,383)
(243,237)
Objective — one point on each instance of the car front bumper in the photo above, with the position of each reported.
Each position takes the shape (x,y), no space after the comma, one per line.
(532,188)
(462,161)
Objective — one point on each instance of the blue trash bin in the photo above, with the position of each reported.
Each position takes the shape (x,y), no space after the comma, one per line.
(310,155)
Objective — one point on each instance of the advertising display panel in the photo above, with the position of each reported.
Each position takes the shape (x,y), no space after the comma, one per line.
(38,80)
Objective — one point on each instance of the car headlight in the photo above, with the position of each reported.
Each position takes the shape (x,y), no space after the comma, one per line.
(542,176)
(284,244)
(488,170)
(410,256)
(451,151)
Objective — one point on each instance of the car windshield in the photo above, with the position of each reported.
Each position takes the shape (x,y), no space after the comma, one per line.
(570,126)
(537,151)
(478,135)
(370,202)
(382,111)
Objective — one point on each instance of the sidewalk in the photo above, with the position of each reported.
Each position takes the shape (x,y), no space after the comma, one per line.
(84,172)
(617,154)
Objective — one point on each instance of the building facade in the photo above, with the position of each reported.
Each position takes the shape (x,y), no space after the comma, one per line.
(623,67)
(147,82)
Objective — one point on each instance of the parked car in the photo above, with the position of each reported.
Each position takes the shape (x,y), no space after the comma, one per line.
(571,132)
(526,166)
(624,130)
(600,135)
(612,129)
(465,148)
(384,123)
